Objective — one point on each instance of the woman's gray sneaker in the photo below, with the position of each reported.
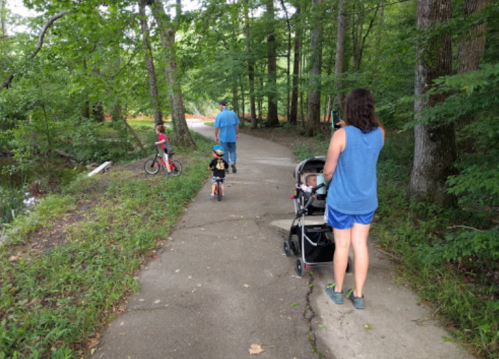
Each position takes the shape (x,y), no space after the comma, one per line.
(337,297)
(358,302)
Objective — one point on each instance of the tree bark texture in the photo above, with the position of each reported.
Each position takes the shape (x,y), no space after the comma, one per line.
(153,87)
(314,95)
(167,31)
(470,53)
(472,43)
(340,51)
(435,144)
(272,119)
(251,67)
(293,117)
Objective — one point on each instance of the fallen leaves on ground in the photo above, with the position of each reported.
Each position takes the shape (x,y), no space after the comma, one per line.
(255,349)
(92,343)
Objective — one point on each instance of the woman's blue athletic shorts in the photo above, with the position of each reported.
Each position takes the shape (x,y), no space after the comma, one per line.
(339,220)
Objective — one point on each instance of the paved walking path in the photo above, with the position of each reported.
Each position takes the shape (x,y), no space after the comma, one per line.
(222,284)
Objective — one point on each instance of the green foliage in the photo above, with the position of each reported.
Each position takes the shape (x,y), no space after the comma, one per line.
(55,297)
(11,199)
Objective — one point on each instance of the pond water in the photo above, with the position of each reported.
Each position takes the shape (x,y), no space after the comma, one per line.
(14,188)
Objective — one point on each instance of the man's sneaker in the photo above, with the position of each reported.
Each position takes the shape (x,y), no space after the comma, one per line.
(358,302)
(337,297)
(234,169)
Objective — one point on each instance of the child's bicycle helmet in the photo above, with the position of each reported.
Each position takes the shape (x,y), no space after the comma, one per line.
(219,150)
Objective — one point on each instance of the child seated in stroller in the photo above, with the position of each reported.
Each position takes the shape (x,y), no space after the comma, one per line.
(310,180)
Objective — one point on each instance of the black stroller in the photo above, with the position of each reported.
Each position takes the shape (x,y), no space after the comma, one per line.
(312,243)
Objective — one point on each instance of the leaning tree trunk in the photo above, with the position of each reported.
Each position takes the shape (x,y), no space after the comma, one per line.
(293,117)
(470,53)
(167,34)
(340,51)
(314,95)
(272,118)
(251,68)
(118,116)
(3,25)
(153,88)
(435,145)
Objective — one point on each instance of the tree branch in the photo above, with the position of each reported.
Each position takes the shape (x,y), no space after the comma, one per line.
(6,83)
(39,45)
(465,227)
(128,63)
(375,8)
(44,31)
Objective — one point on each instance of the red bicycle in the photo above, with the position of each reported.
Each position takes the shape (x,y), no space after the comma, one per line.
(153,165)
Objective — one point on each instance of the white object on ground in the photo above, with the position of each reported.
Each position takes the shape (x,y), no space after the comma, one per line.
(101,168)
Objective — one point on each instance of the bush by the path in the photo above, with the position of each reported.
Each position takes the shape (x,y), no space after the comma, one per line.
(70,262)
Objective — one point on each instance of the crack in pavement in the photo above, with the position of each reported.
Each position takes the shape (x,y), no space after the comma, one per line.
(309,315)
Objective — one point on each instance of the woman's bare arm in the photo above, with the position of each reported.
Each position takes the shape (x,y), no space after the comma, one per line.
(336,146)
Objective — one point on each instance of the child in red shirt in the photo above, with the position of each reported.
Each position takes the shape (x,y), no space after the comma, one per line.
(163,140)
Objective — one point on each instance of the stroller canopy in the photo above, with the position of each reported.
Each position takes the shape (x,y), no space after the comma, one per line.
(311,165)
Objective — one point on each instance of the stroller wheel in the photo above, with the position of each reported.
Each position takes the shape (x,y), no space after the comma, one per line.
(295,246)
(299,267)
(287,249)
(349,265)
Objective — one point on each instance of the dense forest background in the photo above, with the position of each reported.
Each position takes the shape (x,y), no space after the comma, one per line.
(76,83)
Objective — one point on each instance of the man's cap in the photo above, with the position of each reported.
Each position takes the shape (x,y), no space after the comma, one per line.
(219,150)
(223,103)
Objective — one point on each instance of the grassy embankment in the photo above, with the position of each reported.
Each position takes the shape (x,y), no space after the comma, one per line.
(69,264)
(464,294)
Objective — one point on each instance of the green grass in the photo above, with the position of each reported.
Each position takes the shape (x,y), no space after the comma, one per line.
(210,123)
(53,300)
(446,269)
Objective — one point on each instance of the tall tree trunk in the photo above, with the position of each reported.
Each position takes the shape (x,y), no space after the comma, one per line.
(3,25)
(329,109)
(380,31)
(153,88)
(435,145)
(272,118)
(470,53)
(293,117)
(302,111)
(260,99)
(86,103)
(288,60)
(314,95)
(242,103)
(251,67)
(167,34)
(340,51)
(235,98)
(98,108)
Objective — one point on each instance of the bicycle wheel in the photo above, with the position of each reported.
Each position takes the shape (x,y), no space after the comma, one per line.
(219,192)
(178,168)
(151,166)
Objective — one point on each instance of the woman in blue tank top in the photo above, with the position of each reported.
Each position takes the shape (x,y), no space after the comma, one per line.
(352,197)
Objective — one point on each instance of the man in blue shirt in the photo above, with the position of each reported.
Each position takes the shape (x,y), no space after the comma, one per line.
(227,132)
